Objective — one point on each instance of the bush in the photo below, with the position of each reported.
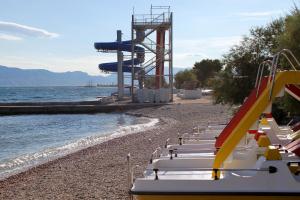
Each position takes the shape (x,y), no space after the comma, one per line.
(184,77)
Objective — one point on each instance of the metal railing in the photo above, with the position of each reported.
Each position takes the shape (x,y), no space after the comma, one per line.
(273,67)
(260,72)
(270,169)
(155,154)
(167,143)
(286,53)
(151,45)
(151,18)
(148,68)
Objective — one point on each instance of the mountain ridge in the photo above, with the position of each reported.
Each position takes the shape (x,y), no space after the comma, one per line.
(13,76)
(17,77)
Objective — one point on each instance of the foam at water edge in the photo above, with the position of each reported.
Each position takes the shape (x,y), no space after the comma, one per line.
(28,161)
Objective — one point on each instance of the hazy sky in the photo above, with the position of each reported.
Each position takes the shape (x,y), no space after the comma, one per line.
(58,35)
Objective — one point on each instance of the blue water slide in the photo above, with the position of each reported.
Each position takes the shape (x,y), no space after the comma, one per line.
(121,46)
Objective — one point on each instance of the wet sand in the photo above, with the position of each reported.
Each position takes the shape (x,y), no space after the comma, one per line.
(100,171)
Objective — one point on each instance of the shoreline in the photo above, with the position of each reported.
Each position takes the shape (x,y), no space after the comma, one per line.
(144,123)
(100,171)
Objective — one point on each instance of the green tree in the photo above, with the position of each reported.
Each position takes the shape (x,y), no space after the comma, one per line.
(149,82)
(235,82)
(290,39)
(206,69)
(183,77)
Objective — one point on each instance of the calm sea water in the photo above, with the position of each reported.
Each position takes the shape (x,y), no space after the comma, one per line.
(27,140)
(38,94)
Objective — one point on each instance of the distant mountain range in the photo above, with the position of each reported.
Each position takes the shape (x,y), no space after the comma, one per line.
(10,77)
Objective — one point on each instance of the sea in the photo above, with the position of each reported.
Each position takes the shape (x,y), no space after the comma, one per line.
(53,94)
(30,140)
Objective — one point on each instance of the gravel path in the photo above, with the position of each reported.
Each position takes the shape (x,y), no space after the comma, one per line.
(100,172)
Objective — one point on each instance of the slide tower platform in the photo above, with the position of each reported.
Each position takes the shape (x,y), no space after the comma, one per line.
(154,32)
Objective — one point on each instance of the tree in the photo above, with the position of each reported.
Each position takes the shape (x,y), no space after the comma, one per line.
(206,69)
(149,82)
(241,63)
(182,77)
(290,39)
(234,82)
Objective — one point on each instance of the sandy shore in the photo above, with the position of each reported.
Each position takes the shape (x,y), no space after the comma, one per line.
(100,172)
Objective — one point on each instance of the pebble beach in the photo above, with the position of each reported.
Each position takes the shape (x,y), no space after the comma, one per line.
(101,171)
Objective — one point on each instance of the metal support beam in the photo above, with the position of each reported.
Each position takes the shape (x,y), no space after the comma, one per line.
(132,57)
(147,47)
(120,68)
(171,78)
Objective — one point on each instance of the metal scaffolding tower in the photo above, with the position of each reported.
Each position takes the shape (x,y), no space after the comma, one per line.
(158,54)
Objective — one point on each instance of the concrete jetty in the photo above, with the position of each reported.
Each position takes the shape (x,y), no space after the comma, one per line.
(69,107)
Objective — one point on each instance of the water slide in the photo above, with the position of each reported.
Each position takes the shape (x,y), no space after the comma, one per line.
(293,90)
(122,46)
(255,108)
(251,99)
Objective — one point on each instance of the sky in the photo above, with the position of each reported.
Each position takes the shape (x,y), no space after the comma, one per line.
(58,35)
